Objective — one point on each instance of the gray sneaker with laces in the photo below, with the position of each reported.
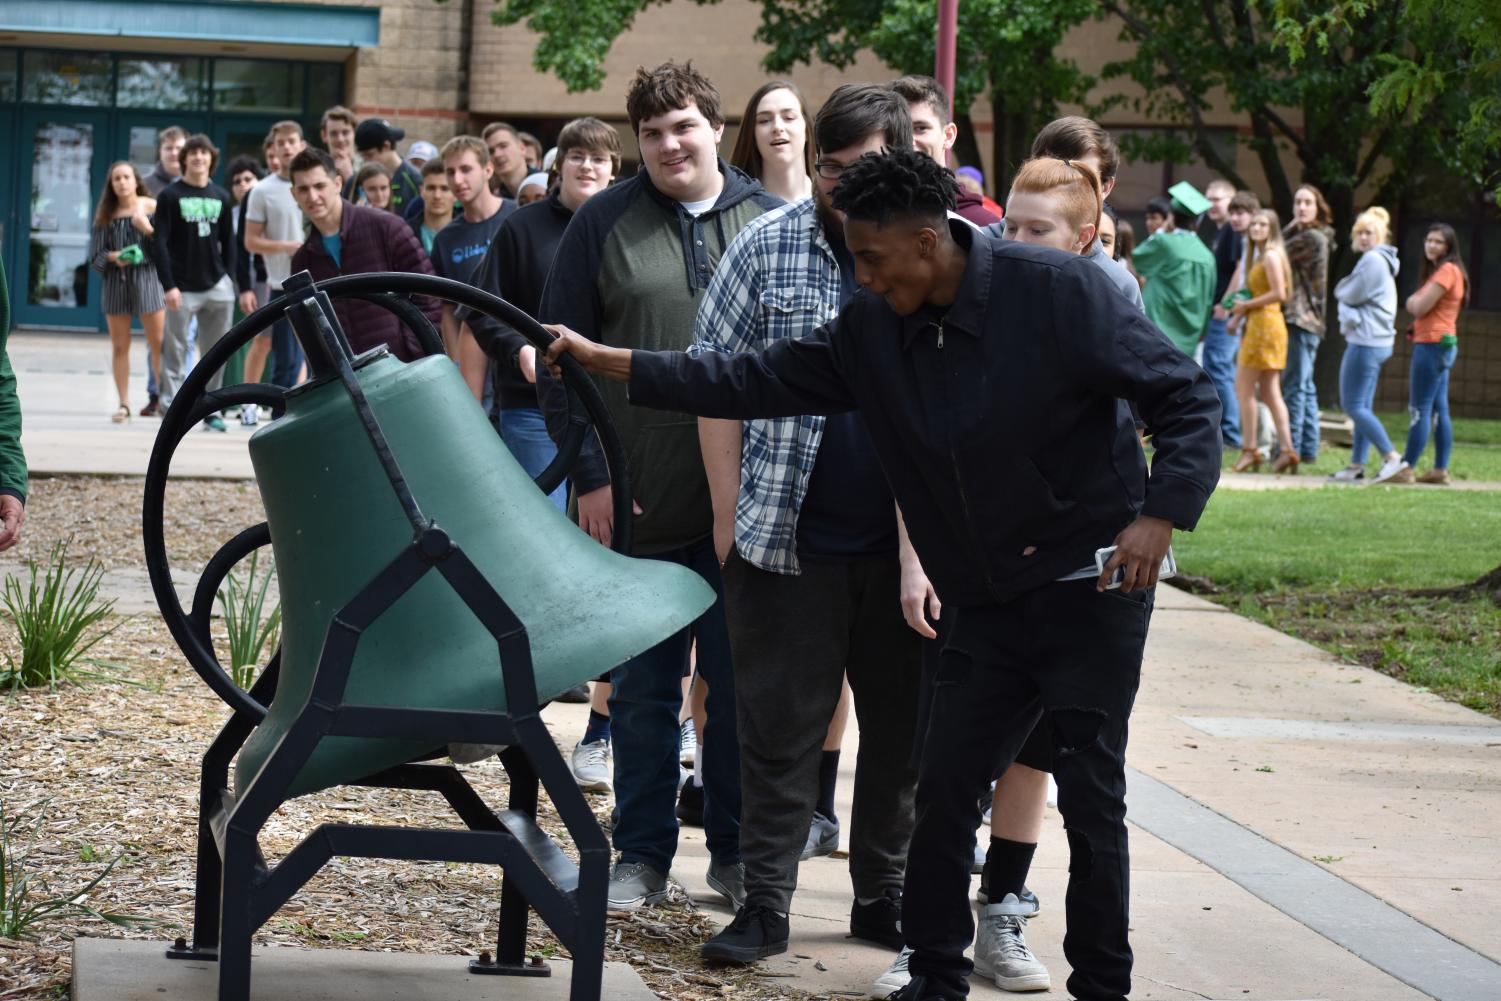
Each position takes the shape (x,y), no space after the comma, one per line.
(590,764)
(1001,952)
(633,885)
(728,880)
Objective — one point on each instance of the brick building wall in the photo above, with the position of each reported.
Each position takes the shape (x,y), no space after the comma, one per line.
(1475,382)
(415,77)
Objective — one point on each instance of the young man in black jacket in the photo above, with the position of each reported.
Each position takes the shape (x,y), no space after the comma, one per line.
(955,343)
(195,231)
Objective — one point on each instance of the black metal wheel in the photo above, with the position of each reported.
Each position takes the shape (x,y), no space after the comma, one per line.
(195,402)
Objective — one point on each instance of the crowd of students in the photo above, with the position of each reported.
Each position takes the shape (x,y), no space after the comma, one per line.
(1251,310)
(798,519)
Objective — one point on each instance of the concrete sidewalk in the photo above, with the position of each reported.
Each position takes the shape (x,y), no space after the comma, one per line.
(67,397)
(1266,777)
(1281,481)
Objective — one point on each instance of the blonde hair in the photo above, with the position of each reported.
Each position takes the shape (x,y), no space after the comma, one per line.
(1377,219)
(1077,187)
(1273,238)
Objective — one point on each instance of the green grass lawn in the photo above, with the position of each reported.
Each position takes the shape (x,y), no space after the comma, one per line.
(1477,449)
(1329,566)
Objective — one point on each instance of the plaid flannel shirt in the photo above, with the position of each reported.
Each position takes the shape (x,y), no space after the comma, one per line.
(777,280)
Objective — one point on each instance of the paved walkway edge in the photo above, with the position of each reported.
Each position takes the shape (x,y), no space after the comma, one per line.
(1367,926)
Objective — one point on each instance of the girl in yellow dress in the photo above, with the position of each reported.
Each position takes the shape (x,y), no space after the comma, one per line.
(1263,344)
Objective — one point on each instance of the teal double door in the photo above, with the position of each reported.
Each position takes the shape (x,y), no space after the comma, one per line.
(47,221)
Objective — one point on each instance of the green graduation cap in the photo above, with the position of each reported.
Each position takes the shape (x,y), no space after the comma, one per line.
(1186,198)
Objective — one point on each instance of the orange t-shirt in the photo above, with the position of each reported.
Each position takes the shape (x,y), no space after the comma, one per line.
(1442,318)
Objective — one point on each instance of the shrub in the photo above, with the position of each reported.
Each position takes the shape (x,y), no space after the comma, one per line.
(251,631)
(55,616)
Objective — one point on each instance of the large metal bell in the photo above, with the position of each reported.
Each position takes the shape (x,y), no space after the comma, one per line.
(335,523)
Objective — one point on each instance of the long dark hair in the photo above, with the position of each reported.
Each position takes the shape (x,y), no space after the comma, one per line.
(1451,256)
(108,203)
(747,155)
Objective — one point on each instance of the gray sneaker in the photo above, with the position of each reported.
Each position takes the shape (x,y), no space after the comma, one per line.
(633,885)
(1001,952)
(728,880)
(823,837)
(590,764)
(895,978)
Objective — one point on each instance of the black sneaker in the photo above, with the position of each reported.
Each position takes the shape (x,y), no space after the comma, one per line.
(575,695)
(691,804)
(757,932)
(152,407)
(879,921)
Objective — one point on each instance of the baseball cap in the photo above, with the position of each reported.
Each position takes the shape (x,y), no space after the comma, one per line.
(373,133)
(422,150)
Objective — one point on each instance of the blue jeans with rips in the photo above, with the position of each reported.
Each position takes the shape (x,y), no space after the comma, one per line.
(1359,371)
(644,728)
(1428,403)
(1299,392)
(1220,347)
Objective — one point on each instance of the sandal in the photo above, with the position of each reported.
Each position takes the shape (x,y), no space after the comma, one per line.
(122,415)
(1287,462)
(1250,458)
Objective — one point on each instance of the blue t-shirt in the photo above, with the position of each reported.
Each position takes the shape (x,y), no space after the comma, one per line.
(334,245)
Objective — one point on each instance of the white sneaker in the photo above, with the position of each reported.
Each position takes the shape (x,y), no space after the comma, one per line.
(250,415)
(687,743)
(1390,468)
(895,978)
(1347,475)
(590,764)
(1001,952)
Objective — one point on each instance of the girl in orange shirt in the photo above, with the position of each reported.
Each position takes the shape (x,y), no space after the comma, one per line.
(1443,291)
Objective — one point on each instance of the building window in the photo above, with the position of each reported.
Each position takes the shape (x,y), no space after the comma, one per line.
(257,85)
(161,83)
(67,78)
(8,67)
(325,86)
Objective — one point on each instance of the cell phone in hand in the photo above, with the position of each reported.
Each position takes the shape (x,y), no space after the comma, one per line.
(1168,569)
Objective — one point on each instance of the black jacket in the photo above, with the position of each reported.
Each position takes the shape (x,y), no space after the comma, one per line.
(997,423)
(515,268)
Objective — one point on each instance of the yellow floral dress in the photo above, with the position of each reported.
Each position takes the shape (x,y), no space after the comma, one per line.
(1263,344)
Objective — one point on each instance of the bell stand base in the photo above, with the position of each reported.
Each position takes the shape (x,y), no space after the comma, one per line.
(236,892)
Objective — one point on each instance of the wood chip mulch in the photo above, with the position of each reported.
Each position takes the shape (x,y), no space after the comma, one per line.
(113,768)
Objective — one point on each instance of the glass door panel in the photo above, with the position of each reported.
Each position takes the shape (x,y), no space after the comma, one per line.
(66,168)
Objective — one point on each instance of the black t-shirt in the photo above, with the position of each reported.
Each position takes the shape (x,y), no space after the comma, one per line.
(848,512)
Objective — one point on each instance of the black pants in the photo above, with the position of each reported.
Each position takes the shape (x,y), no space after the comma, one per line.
(792,640)
(1075,652)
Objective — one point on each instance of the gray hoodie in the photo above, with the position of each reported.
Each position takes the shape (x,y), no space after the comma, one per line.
(1368,298)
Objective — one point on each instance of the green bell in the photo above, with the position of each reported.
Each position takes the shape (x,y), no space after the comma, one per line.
(335,523)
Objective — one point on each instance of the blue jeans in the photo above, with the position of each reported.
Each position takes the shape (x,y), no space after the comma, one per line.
(524,430)
(1428,401)
(286,352)
(1300,394)
(644,727)
(1358,372)
(1220,347)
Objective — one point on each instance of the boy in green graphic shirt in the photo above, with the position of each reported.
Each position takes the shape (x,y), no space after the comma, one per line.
(195,231)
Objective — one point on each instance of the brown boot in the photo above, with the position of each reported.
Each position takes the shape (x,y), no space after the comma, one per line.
(1437,476)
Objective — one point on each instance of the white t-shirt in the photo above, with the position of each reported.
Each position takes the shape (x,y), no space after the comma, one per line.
(698,208)
(271,203)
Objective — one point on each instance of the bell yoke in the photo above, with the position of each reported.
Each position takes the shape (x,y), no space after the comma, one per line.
(421,574)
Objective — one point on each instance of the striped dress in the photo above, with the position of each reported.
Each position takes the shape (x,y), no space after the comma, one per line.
(129,291)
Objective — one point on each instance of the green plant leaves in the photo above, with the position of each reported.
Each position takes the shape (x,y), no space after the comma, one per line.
(56,616)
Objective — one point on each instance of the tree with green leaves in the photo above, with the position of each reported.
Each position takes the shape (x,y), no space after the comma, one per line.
(1005,51)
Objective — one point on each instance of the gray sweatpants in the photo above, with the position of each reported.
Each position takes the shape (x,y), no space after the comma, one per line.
(214,310)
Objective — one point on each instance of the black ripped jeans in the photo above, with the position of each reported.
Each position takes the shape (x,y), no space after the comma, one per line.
(1075,652)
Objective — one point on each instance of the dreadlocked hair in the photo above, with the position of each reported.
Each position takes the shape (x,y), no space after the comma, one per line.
(900,183)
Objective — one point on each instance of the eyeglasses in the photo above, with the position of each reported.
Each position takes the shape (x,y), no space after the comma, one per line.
(829,170)
(577,159)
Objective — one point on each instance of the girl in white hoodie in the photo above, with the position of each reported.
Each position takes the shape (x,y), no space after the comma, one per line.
(1367,318)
